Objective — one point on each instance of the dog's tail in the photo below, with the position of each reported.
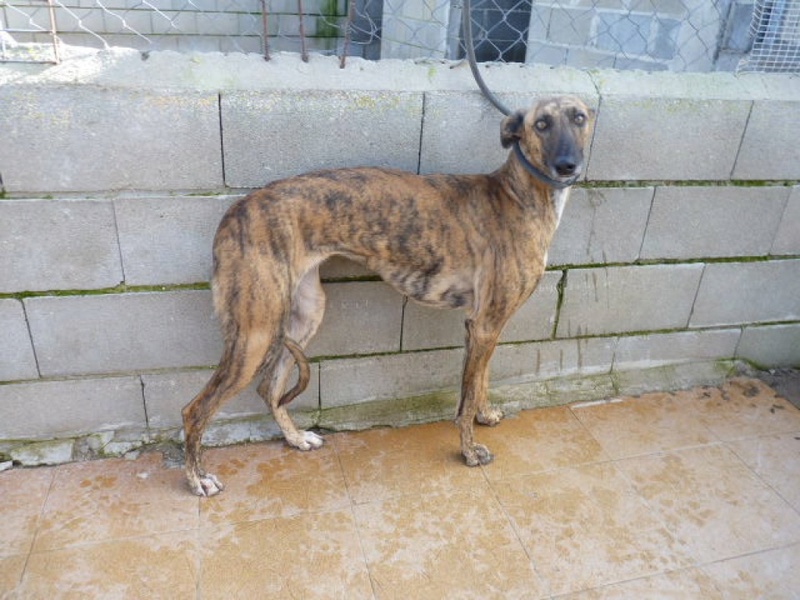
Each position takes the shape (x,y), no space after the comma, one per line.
(304,373)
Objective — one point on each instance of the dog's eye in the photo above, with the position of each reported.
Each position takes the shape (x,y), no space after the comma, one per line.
(541,124)
(579,119)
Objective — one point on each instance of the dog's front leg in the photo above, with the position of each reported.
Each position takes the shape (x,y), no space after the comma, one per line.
(481,342)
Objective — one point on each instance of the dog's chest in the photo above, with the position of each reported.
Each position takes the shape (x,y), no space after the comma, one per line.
(559,200)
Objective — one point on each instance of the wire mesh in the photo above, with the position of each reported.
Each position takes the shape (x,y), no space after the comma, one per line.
(677,35)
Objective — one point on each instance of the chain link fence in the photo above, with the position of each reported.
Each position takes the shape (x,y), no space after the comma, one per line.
(677,35)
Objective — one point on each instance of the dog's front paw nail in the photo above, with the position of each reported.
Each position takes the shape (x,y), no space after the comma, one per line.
(490,417)
(478,454)
(207,485)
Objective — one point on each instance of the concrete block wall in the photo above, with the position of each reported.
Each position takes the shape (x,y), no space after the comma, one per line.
(678,256)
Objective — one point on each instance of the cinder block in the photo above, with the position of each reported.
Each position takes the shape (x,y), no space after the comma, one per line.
(752,292)
(425,327)
(167,393)
(602,225)
(514,363)
(771,346)
(338,267)
(769,149)
(44,409)
(85,138)
(656,350)
(168,240)
(274,134)
(123,332)
(787,240)
(674,126)
(57,244)
(360,318)
(359,380)
(16,353)
(461,131)
(701,222)
(620,299)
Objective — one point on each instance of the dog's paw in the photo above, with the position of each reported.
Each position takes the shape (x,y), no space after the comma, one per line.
(206,485)
(306,440)
(477,454)
(490,417)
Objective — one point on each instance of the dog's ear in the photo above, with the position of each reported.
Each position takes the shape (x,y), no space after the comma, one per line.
(511,128)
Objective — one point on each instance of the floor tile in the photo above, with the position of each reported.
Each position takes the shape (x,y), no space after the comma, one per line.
(457,545)
(776,459)
(651,423)
(586,526)
(745,408)
(774,574)
(160,566)
(10,573)
(676,585)
(311,555)
(424,459)
(271,480)
(112,499)
(538,440)
(23,493)
(713,502)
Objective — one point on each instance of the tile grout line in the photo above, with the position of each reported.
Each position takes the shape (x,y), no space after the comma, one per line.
(39,521)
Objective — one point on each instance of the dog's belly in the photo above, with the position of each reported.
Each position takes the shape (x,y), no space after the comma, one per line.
(436,289)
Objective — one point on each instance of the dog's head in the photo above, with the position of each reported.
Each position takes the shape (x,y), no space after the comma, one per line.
(552,134)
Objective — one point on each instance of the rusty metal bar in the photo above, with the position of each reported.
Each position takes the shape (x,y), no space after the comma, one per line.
(301,14)
(264,24)
(348,26)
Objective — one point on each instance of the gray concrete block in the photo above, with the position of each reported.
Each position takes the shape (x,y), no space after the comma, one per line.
(787,240)
(274,134)
(701,222)
(168,240)
(601,225)
(338,267)
(620,299)
(166,394)
(84,138)
(57,244)
(514,363)
(752,292)
(361,317)
(461,131)
(359,380)
(667,126)
(45,409)
(425,327)
(16,352)
(771,346)
(658,349)
(769,149)
(123,332)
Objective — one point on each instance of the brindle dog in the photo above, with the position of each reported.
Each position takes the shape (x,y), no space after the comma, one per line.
(475,242)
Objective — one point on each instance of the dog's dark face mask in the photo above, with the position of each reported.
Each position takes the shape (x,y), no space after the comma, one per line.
(552,135)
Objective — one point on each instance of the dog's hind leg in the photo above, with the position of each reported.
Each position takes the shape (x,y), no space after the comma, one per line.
(242,359)
(307,310)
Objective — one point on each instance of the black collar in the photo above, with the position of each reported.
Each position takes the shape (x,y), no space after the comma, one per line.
(545,179)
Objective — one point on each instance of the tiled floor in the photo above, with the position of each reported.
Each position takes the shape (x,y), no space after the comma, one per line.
(693,494)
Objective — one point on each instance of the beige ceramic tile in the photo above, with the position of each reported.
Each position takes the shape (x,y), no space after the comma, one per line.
(454,545)
(424,459)
(585,527)
(634,426)
(538,440)
(687,584)
(769,575)
(160,566)
(10,574)
(776,459)
(22,493)
(745,408)
(713,502)
(270,480)
(306,556)
(112,499)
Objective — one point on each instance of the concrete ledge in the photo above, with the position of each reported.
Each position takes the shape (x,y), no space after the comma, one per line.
(771,345)
(16,352)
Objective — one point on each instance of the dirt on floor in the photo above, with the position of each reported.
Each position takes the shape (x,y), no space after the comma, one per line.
(785,381)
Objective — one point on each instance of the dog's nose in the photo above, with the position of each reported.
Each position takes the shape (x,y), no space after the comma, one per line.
(565,166)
